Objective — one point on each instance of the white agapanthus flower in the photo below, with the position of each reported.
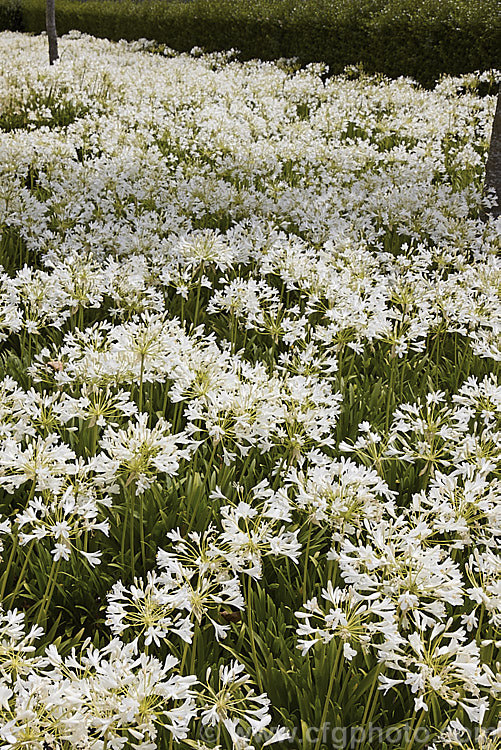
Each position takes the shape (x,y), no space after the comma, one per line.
(396,563)
(348,618)
(44,462)
(151,610)
(198,577)
(231,702)
(141,453)
(226,245)
(257,529)
(114,695)
(63,520)
(17,647)
(341,494)
(442,663)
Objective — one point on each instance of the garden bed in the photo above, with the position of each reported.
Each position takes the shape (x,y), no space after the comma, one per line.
(249,406)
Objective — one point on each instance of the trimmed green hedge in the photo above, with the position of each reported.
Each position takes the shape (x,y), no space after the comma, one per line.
(11,15)
(418,38)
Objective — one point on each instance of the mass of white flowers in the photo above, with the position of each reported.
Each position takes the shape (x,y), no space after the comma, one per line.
(250,420)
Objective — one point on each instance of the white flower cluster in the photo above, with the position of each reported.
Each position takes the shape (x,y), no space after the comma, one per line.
(422,584)
(120,200)
(201,262)
(200,572)
(115,696)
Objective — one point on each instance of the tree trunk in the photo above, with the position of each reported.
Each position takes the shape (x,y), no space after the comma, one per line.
(493,166)
(50,25)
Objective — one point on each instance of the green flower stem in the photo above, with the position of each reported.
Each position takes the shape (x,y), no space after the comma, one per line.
(51,584)
(131,529)
(391,386)
(141,377)
(21,576)
(233,329)
(142,540)
(250,625)
(183,658)
(246,464)
(371,703)
(479,627)
(279,476)
(306,558)
(5,576)
(460,370)
(122,543)
(194,650)
(197,303)
(94,435)
(416,726)
(206,484)
(329,694)
(344,686)
(177,412)
(332,571)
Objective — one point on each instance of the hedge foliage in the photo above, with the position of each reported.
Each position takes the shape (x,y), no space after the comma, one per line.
(418,38)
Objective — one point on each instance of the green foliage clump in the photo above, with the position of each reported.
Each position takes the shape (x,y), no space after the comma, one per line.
(422,39)
(11,15)
(34,108)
